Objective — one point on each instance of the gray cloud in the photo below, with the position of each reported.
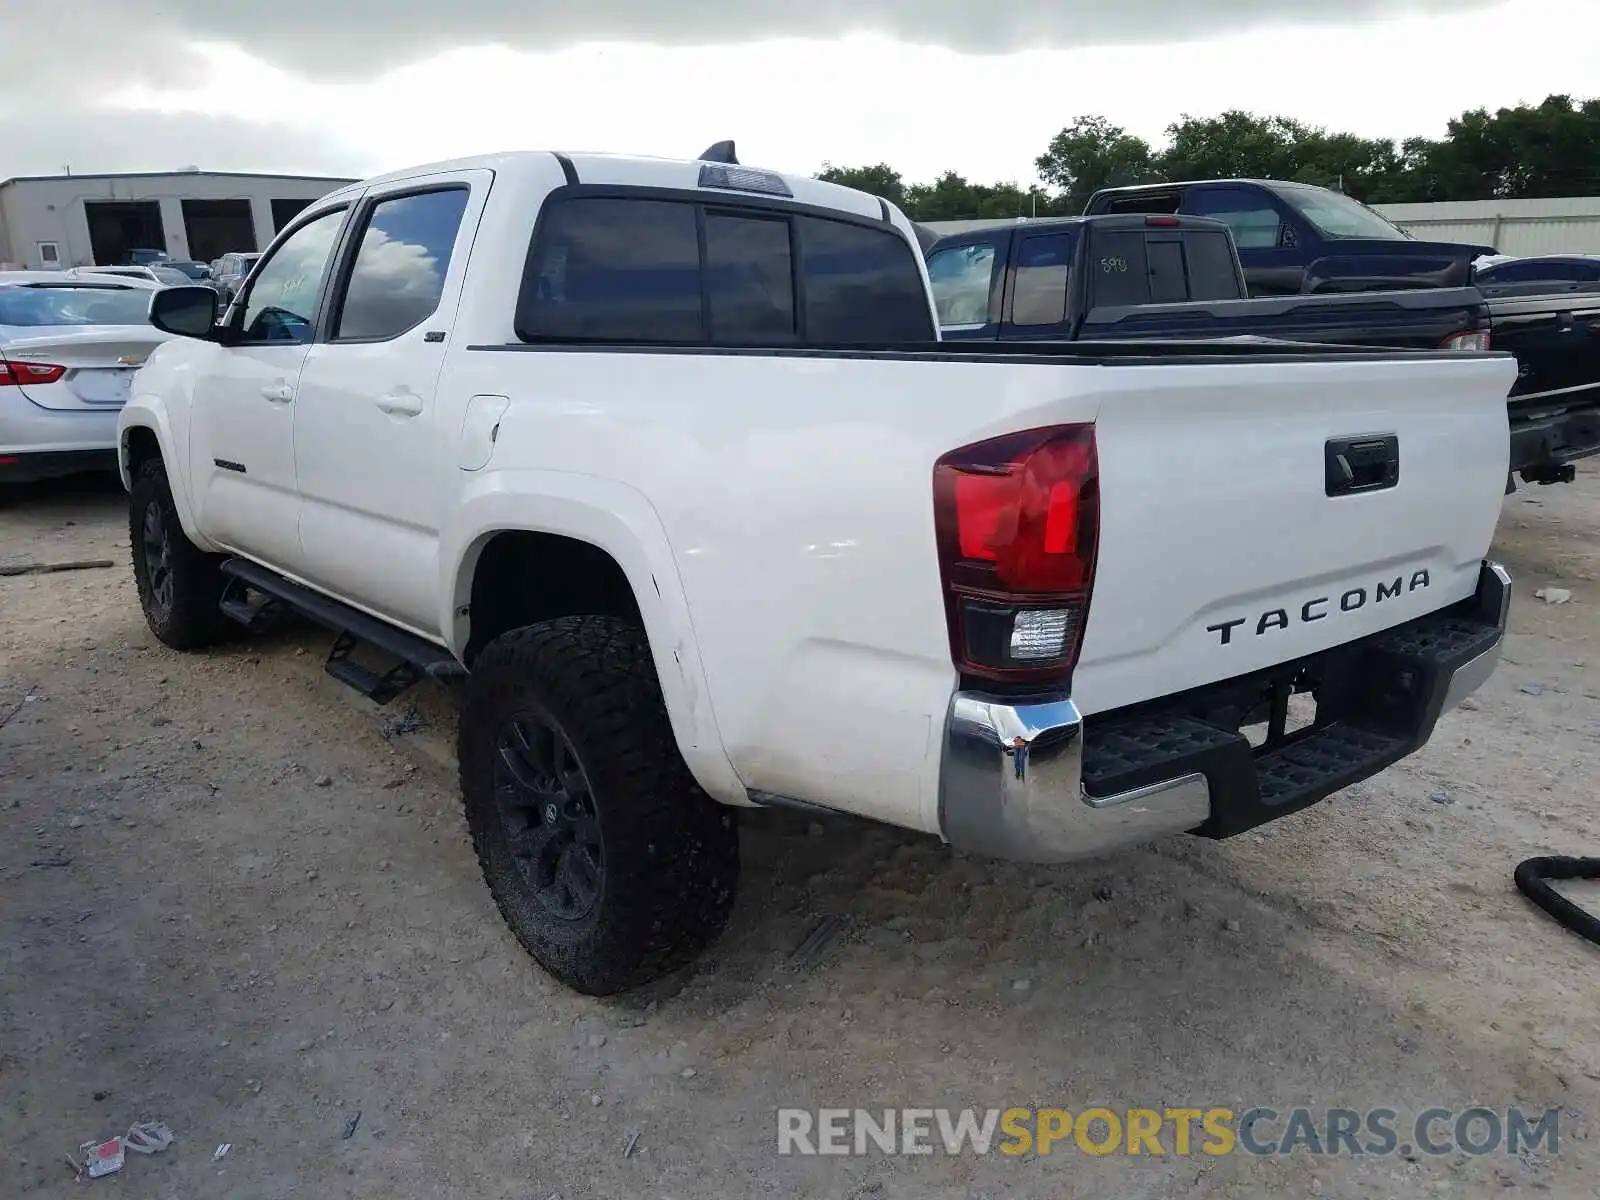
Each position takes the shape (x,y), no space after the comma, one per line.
(44,140)
(50,112)
(347,39)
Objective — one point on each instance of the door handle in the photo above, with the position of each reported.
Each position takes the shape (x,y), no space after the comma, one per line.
(401,404)
(1368,464)
(278,393)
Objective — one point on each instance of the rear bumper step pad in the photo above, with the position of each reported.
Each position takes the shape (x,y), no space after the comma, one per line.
(1377,701)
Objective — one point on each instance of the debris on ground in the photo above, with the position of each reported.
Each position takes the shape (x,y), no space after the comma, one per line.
(824,931)
(630,1139)
(410,721)
(350,1124)
(221,1152)
(107,1157)
(103,1158)
(40,568)
(1442,796)
(1532,689)
(27,698)
(147,1137)
(1554,595)
(53,860)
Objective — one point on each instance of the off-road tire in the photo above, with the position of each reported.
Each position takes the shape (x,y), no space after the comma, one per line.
(184,615)
(669,853)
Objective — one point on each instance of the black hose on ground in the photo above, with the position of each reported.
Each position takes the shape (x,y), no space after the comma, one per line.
(1532,876)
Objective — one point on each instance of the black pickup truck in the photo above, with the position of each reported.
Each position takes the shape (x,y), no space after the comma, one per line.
(1554,330)
(1162,276)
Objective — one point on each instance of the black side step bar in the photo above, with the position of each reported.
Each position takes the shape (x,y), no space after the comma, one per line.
(418,658)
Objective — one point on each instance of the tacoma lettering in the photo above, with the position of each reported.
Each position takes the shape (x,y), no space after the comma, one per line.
(1316,608)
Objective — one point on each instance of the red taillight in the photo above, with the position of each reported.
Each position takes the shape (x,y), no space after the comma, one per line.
(1018,525)
(1478,339)
(1163,221)
(19,374)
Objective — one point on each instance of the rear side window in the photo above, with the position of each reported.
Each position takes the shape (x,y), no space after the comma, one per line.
(398,276)
(631,270)
(1039,293)
(614,270)
(862,285)
(749,279)
(1249,214)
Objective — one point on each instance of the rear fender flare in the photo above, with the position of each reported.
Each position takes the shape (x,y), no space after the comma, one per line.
(621,521)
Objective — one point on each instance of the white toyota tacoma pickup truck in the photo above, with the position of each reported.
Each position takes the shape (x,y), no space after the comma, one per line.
(663,464)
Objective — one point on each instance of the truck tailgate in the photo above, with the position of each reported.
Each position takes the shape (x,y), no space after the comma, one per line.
(1233,538)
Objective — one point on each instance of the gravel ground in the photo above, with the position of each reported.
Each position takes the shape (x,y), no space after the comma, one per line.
(234,897)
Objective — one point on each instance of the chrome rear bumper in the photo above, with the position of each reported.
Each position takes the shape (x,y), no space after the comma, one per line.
(1013,781)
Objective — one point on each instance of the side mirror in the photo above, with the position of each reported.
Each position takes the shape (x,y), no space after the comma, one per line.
(188,311)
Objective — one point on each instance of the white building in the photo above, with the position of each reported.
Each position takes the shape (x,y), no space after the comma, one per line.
(96,220)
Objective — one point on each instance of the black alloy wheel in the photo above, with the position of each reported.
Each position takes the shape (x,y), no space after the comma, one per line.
(544,800)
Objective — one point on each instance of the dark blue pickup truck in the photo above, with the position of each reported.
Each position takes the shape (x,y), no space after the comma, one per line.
(1294,238)
(1157,277)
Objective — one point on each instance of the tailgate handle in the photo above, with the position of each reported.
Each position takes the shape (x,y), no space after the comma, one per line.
(1361,464)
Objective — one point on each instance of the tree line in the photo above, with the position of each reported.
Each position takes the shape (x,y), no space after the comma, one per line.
(1547,149)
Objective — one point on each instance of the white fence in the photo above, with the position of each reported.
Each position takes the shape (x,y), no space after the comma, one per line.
(1560,225)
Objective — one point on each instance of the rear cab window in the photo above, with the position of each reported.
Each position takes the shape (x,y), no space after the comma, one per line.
(695,270)
(1161,266)
(36,306)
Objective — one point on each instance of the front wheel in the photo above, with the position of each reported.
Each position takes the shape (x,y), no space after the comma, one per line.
(180,586)
(606,859)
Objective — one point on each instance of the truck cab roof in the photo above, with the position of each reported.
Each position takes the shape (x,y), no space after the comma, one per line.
(627,170)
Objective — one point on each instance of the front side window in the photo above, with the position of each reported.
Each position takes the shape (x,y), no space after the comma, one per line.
(398,276)
(282,300)
(1040,291)
(961,277)
(862,285)
(1254,222)
(614,270)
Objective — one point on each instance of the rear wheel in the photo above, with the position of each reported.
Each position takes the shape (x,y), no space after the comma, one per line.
(180,586)
(609,863)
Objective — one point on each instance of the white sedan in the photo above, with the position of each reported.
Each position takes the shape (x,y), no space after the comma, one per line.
(69,347)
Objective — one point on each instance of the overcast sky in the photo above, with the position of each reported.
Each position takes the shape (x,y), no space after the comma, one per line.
(353,87)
